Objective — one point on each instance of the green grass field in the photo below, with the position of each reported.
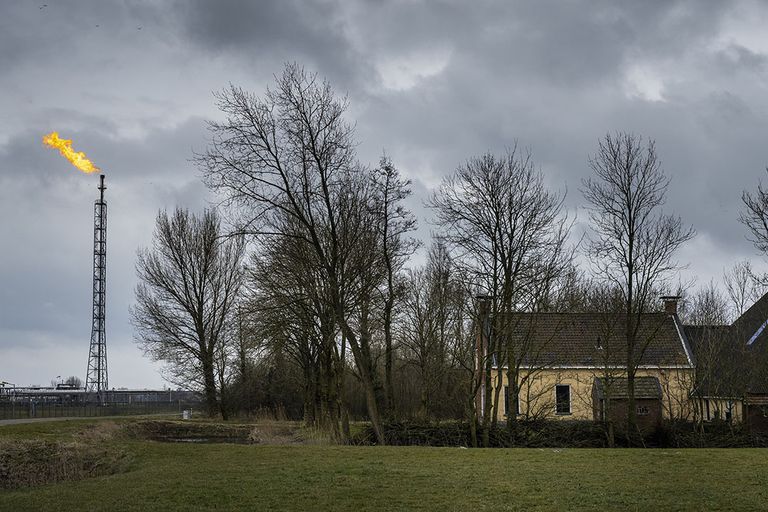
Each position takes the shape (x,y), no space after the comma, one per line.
(171,476)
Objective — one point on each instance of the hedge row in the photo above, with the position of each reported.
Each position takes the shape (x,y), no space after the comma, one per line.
(563,434)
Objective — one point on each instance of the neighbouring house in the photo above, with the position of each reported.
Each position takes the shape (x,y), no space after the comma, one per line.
(717,393)
(573,365)
(732,368)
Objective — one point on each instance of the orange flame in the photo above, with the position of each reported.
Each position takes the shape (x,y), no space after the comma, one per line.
(78,159)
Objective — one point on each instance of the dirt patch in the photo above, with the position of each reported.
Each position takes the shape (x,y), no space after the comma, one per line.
(25,463)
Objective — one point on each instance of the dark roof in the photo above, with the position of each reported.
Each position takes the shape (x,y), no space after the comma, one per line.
(751,328)
(645,387)
(596,339)
(752,321)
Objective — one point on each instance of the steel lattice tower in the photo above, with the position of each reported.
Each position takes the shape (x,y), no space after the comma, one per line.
(96,380)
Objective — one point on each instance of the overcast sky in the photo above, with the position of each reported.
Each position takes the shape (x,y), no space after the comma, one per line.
(432,83)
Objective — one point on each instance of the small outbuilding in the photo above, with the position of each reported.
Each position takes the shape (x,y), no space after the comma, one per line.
(610,400)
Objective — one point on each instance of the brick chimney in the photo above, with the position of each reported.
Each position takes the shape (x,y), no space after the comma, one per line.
(670,304)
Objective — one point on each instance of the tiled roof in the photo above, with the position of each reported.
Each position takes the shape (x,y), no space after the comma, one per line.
(645,387)
(752,322)
(594,339)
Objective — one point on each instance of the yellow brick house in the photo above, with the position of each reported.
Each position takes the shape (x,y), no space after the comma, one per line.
(573,366)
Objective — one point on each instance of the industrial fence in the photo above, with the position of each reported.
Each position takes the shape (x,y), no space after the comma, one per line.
(33,409)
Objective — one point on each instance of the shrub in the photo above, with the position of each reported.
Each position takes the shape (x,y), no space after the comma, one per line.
(682,434)
(404,433)
(563,434)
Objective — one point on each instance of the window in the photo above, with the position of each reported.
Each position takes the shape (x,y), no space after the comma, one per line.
(506,402)
(563,399)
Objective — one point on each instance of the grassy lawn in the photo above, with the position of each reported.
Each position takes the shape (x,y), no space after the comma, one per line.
(169,476)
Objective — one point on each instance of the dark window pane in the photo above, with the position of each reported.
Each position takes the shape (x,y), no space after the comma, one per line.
(563,399)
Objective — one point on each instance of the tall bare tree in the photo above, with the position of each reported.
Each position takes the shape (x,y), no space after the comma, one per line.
(633,241)
(189,280)
(395,222)
(290,154)
(508,235)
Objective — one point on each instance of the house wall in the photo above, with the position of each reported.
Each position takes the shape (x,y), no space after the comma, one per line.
(711,409)
(537,395)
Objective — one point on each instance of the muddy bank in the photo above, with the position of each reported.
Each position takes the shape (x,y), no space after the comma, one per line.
(26,463)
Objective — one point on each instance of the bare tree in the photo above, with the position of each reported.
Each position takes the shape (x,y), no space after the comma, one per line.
(432,318)
(189,281)
(394,224)
(742,285)
(755,217)
(291,155)
(708,306)
(508,236)
(633,241)
(290,304)
(73,381)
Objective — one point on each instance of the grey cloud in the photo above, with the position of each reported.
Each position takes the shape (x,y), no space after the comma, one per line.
(553,76)
(267,34)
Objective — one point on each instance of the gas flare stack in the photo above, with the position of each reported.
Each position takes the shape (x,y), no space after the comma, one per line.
(96,379)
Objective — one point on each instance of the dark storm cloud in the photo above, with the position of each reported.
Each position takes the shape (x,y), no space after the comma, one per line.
(265,35)
(431,83)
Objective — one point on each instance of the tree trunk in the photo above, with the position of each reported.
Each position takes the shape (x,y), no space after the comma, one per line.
(631,363)
(310,417)
(389,401)
(424,395)
(209,383)
(366,377)
(631,411)
(473,428)
(514,392)
(610,433)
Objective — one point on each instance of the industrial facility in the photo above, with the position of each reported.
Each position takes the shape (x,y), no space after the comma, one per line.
(95,398)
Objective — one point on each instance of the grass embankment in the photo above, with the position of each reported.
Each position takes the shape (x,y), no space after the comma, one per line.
(177,476)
